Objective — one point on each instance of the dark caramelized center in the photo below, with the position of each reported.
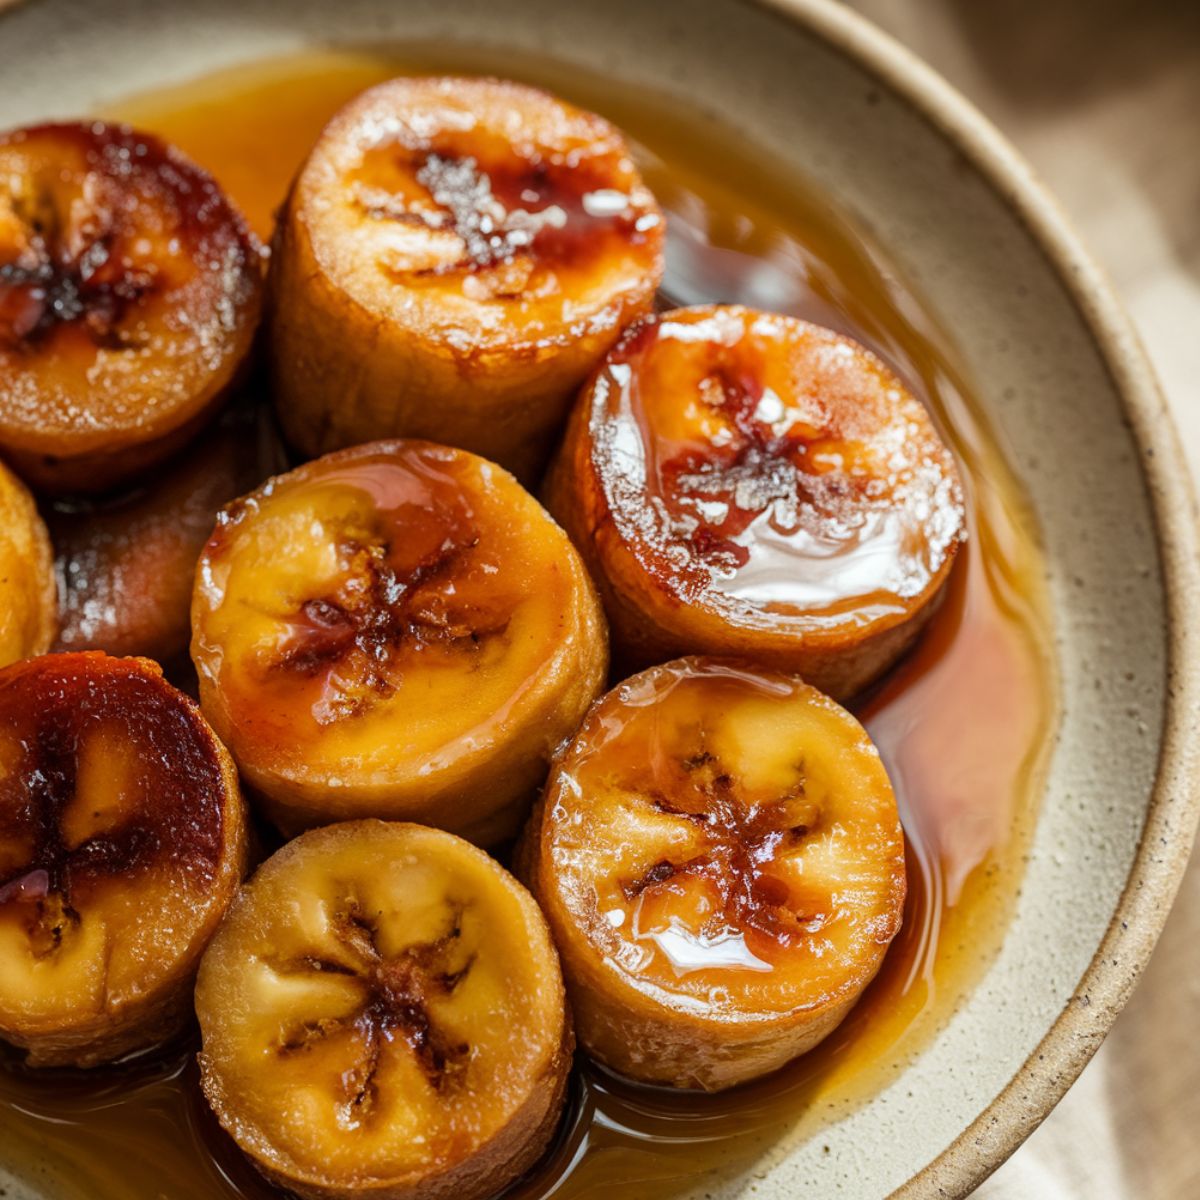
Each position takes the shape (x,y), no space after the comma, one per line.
(399,998)
(740,842)
(716,492)
(50,286)
(511,208)
(387,609)
(716,488)
(70,720)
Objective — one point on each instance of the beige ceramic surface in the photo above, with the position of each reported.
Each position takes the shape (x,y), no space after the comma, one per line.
(1064,380)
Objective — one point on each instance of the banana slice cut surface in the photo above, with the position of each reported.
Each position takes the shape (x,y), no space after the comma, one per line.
(123,842)
(28,592)
(383,1014)
(129,294)
(479,244)
(395,630)
(747,483)
(480,205)
(721,861)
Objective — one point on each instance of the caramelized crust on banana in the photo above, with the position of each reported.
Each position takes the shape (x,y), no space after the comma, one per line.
(125,565)
(129,294)
(396,630)
(383,1015)
(28,597)
(454,257)
(720,859)
(746,483)
(122,843)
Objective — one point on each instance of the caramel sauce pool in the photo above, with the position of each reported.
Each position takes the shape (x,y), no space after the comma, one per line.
(964,723)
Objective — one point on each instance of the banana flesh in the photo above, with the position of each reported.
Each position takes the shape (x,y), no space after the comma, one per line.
(123,843)
(383,1013)
(747,484)
(397,630)
(28,592)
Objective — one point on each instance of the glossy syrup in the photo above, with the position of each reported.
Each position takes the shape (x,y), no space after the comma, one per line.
(873,533)
(964,723)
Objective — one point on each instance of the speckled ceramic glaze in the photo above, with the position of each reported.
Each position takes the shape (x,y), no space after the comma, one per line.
(1066,383)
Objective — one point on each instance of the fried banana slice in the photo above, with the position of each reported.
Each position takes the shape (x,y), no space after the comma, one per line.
(122,843)
(721,862)
(454,257)
(397,630)
(747,484)
(130,290)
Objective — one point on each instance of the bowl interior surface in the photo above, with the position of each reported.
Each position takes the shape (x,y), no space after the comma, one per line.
(1033,360)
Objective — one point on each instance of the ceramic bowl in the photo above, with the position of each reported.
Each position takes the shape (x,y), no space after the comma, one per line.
(1064,380)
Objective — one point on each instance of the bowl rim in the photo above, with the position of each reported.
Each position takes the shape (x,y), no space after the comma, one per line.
(1173,809)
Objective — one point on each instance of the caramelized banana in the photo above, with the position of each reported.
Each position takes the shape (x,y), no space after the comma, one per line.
(383,1015)
(129,293)
(27,589)
(720,859)
(125,565)
(745,483)
(396,630)
(122,843)
(455,256)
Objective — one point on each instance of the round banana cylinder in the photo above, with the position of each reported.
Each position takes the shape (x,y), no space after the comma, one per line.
(747,484)
(720,858)
(397,630)
(130,292)
(122,843)
(453,259)
(383,1015)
